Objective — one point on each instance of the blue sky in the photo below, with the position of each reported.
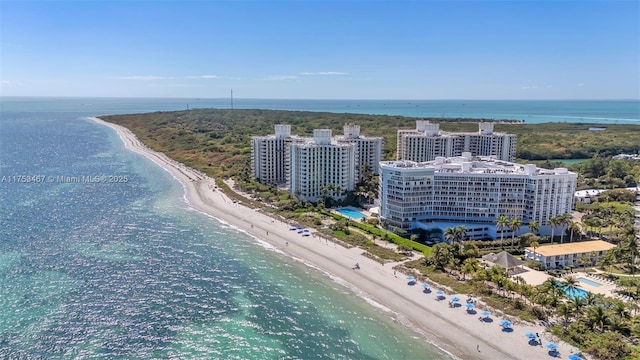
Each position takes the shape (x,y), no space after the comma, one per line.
(322,50)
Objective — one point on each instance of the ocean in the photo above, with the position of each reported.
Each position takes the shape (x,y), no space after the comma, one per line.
(529,111)
(125,269)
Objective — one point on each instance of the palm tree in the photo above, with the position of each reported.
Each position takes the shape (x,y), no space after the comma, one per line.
(451,234)
(584,261)
(514,226)
(598,316)
(573,228)
(592,257)
(553,221)
(632,253)
(469,266)
(462,232)
(534,226)
(620,309)
(553,286)
(607,260)
(570,285)
(590,299)
(501,223)
(441,255)
(577,303)
(534,245)
(564,310)
(564,220)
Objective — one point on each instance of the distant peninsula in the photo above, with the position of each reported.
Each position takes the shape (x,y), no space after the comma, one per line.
(217,141)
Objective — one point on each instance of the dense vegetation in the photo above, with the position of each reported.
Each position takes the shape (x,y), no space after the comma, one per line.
(218,141)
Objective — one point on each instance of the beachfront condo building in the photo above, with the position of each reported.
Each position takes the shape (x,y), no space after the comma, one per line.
(309,167)
(368,150)
(426,142)
(321,167)
(472,191)
(270,155)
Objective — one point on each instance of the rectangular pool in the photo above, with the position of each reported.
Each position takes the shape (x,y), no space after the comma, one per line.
(351,213)
(589,282)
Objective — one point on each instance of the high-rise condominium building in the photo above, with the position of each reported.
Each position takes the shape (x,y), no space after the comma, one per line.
(368,150)
(270,155)
(426,142)
(472,192)
(322,167)
(312,166)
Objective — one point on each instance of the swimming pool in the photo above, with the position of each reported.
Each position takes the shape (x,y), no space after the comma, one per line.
(579,293)
(351,213)
(589,282)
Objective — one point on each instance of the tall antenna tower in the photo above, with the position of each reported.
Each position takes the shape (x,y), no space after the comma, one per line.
(231,99)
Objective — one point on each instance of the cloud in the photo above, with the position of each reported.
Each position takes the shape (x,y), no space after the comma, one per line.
(142,77)
(203,77)
(178,85)
(527,87)
(324,73)
(579,84)
(280,77)
(154,77)
(11,83)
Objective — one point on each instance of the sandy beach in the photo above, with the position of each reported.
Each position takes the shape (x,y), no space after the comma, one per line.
(461,334)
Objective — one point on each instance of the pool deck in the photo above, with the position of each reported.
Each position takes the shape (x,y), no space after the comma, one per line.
(534,277)
(605,288)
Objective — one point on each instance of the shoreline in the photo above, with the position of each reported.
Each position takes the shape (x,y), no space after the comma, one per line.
(452,330)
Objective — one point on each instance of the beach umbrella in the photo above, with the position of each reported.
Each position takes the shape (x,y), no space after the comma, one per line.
(505,323)
(306,230)
(469,306)
(426,286)
(485,313)
(552,346)
(439,292)
(530,335)
(410,278)
(455,299)
(574,357)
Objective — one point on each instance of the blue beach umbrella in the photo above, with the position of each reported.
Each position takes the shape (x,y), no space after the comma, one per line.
(574,357)
(530,335)
(426,286)
(439,292)
(410,278)
(455,299)
(552,346)
(505,323)
(485,313)
(469,306)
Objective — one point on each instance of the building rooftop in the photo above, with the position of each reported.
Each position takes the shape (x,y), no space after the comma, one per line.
(573,248)
(475,165)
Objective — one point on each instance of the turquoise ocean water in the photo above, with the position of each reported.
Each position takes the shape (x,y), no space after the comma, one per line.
(124,269)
